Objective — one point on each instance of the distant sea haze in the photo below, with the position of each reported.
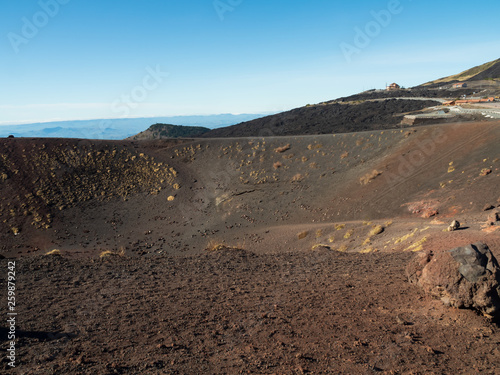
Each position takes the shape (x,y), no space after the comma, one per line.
(117,128)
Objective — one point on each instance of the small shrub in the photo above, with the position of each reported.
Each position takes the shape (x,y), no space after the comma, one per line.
(277,165)
(344,155)
(367,250)
(216,245)
(377,229)
(109,253)
(282,148)
(405,237)
(319,245)
(216,248)
(54,252)
(316,146)
(106,253)
(349,234)
(170,198)
(367,178)
(417,246)
(339,226)
(297,178)
(410,132)
(342,249)
(302,235)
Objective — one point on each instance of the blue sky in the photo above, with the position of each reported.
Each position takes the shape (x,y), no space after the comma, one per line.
(86,59)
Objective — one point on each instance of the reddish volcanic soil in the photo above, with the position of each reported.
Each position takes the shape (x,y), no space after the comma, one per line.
(279,255)
(233,311)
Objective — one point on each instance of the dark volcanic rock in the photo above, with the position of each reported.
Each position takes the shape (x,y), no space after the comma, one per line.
(327,118)
(465,277)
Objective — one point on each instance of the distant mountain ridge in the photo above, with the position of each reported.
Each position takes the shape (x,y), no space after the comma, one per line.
(163,131)
(114,129)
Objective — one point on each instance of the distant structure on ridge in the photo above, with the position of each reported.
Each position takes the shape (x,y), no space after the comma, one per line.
(393,87)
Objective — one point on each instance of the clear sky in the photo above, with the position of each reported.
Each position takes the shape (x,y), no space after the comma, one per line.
(86,59)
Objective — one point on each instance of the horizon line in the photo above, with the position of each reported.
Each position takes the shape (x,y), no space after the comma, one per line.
(10,123)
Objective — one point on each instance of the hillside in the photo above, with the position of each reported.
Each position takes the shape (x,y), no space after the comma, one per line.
(327,118)
(173,196)
(487,71)
(369,110)
(257,255)
(165,131)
